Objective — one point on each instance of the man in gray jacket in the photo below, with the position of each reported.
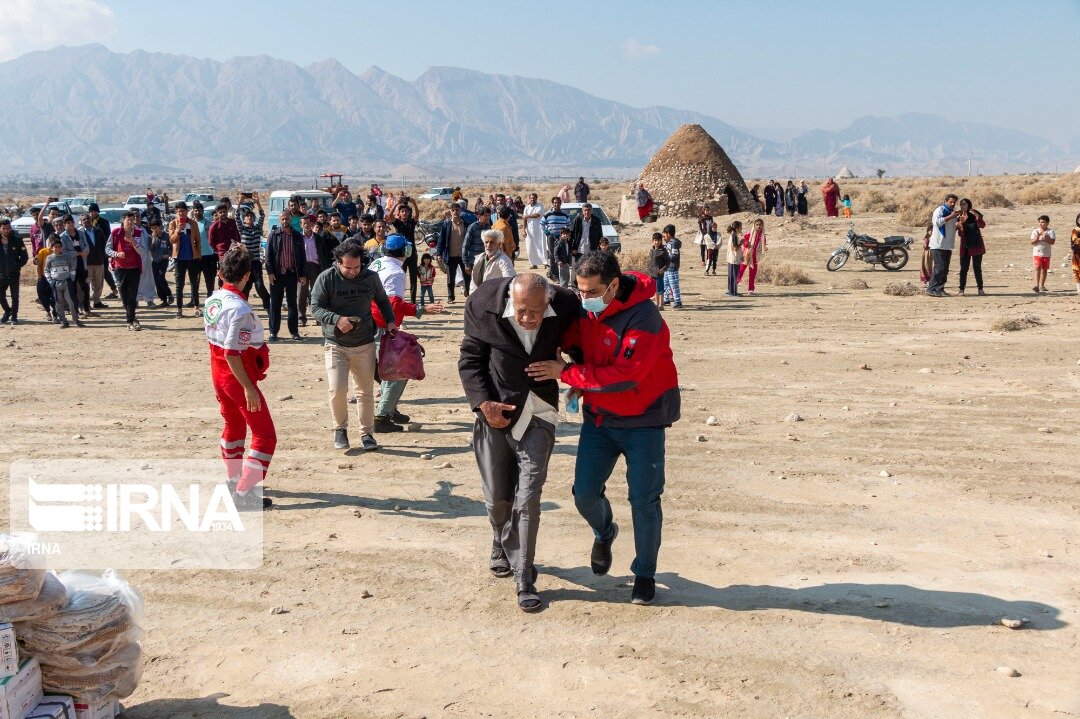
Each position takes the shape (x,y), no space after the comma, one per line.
(341,302)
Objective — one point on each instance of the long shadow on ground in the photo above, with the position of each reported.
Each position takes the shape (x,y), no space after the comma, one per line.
(896,603)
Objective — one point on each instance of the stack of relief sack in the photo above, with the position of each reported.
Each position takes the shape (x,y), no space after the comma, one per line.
(77,635)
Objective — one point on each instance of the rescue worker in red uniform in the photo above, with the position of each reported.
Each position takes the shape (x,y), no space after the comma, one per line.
(239,359)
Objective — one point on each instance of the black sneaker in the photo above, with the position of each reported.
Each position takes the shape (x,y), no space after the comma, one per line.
(80,323)
(601,552)
(13,321)
(273,338)
(5,318)
(368,443)
(644,591)
(385,424)
(296,338)
(100,306)
(341,438)
(400,418)
(64,324)
(250,502)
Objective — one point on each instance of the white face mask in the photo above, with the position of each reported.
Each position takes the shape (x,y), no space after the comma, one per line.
(596,305)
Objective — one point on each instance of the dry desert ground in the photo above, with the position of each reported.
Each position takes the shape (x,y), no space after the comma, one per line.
(855,563)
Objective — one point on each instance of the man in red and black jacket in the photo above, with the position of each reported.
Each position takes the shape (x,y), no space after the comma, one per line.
(625,373)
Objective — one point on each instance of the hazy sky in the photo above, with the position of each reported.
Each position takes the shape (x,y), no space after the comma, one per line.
(782,64)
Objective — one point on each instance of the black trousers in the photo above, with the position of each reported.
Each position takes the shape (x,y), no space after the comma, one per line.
(208,266)
(128,280)
(284,288)
(311,273)
(45,295)
(186,270)
(410,266)
(702,246)
(82,286)
(160,282)
(975,262)
(553,266)
(941,270)
(711,256)
(256,281)
(451,273)
(10,283)
(109,278)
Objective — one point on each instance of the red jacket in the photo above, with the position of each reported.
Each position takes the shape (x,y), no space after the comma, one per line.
(402,309)
(623,361)
(221,236)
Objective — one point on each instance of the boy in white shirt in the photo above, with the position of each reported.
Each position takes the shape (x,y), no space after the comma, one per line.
(1042,239)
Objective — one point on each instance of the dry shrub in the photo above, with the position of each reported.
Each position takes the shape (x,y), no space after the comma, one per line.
(901,289)
(988,197)
(637,260)
(917,206)
(858,285)
(783,274)
(876,201)
(1015,324)
(431,209)
(1043,193)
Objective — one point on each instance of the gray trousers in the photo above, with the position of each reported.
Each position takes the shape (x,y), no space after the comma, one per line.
(513,473)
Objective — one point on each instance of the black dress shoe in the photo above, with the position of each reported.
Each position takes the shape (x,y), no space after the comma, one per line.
(250,502)
(601,552)
(341,438)
(399,418)
(100,306)
(644,591)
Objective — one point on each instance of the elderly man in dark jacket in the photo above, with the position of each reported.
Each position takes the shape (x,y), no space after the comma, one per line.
(510,323)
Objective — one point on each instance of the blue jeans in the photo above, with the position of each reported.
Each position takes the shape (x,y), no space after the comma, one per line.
(427,292)
(643,448)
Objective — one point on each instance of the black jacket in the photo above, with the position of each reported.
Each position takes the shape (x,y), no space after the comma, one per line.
(101,232)
(596,233)
(273,252)
(13,256)
(324,245)
(492,362)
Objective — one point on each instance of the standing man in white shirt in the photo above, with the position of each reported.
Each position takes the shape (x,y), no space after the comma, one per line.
(493,263)
(535,241)
(510,323)
(942,241)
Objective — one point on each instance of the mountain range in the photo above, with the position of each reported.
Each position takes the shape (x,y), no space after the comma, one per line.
(73,108)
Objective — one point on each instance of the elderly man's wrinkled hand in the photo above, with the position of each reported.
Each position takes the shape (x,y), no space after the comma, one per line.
(493,413)
(546,370)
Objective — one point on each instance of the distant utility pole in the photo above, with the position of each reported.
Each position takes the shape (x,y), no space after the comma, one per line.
(969,163)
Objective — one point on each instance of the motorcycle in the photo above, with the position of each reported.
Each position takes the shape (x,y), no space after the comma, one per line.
(891,253)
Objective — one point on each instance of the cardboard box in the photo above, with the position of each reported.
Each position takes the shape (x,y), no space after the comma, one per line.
(96,710)
(9,651)
(22,692)
(53,706)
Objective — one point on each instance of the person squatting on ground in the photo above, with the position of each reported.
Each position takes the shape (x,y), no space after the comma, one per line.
(239,360)
(509,323)
(341,301)
(624,371)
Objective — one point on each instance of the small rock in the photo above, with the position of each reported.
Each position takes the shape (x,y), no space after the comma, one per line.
(413,427)
(882,604)
(365,594)
(885,473)
(783,362)
(846,408)
(279,610)
(331,536)
(793,417)
(702,408)
(702,438)
(781,477)
(892,404)
(1047,430)
(77,436)
(427,456)
(864,366)
(318,379)
(711,421)
(397,507)
(345,465)
(793,438)
(284,398)
(349,630)
(926,370)
(1008,671)
(1012,623)
(357,513)
(446,465)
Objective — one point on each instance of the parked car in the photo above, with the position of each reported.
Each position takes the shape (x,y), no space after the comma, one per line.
(113,214)
(79,204)
(21,225)
(138,202)
(279,200)
(574,208)
(438,193)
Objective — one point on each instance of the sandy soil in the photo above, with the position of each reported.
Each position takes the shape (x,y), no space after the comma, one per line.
(797,578)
